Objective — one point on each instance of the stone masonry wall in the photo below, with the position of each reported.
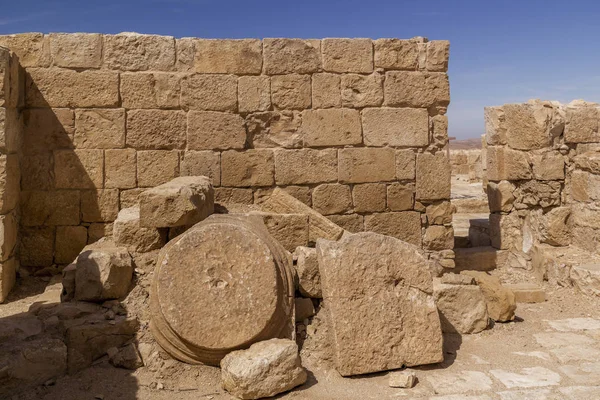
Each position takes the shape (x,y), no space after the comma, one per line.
(10,132)
(542,166)
(467,162)
(354,128)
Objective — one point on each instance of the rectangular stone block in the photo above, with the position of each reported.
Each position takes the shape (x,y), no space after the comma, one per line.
(398,127)
(156,129)
(527,126)
(9,227)
(228,56)
(438,238)
(582,124)
(137,52)
(275,129)
(155,167)
(400,197)
(416,89)
(37,246)
(233,196)
(369,197)
(405,164)
(291,91)
(287,56)
(8,277)
(150,90)
(433,177)
(396,54)
(76,50)
(331,127)
(351,222)
(332,198)
(291,230)
(130,198)
(548,166)
(362,165)
(404,225)
(120,168)
(202,163)
(495,130)
(70,240)
(55,207)
(209,92)
(439,129)
(506,232)
(47,129)
(31,48)
(360,91)
(247,169)
(78,169)
(305,166)
(100,128)
(55,87)
(585,187)
(10,178)
(507,164)
(99,205)
(438,53)
(209,130)
(254,93)
(347,55)
(326,90)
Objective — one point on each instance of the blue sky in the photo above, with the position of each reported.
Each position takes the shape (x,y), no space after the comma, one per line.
(503,51)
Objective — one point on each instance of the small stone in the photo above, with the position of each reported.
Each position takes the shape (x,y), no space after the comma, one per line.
(402,379)
(500,300)
(307,269)
(304,309)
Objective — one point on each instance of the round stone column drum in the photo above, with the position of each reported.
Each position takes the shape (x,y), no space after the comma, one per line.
(221,286)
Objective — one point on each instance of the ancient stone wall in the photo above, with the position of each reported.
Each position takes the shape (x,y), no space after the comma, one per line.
(10,133)
(468,163)
(352,127)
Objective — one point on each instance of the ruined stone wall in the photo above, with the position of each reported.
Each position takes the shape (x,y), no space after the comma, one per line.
(10,133)
(468,163)
(542,166)
(352,127)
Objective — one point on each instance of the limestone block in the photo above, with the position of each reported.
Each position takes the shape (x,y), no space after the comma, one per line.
(527,292)
(285,56)
(438,53)
(495,129)
(182,201)
(247,265)
(479,258)
(10,178)
(588,161)
(582,124)
(548,166)
(209,92)
(507,164)
(402,379)
(439,213)
(103,272)
(433,177)
(399,323)
(400,197)
(291,91)
(254,93)
(405,164)
(351,222)
(221,56)
(156,129)
(438,237)
(347,55)
(264,370)
(369,197)
(247,169)
(127,232)
(360,91)
(8,235)
(304,309)
(209,130)
(120,168)
(402,127)
(500,301)
(540,193)
(326,90)
(307,270)
(456,279)
(439,128)
(47,129)
(31,48)
(36,246)
(527,126)
(363,165)
(202,163)
(500,196)
(8,277)
(99,205)
(275,129)
(290,230)
(462,308)
(155,167)
(78,169)
(506,231)
(416,89)
(151,90)
(137,52)
(127,357)
(101,129)
(584,186)
(331,127)
(396,54)
(554,227)
(70,240)
(319,226)
(332,198)
(55,207)
(404,225)
(586,278)
(305,166)
(233,196)
(76,50)
(57,87)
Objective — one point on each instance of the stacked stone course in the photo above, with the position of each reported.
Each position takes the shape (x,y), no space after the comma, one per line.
(355,128)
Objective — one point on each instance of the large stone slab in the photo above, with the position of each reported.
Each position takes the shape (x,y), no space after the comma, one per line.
(182,201)
(379,293)
(127,232)
(264,370)
(527,378)
(221,286)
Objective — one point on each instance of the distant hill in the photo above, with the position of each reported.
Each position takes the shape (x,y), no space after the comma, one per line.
(465,144)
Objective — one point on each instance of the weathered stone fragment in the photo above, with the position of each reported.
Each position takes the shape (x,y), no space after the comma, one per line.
(549,166)
(127,232)
(264,370)
(290,230)
(31,48)
(586,278)
(405,164)
(8,277)
(500,196)
(402,379)
(183,201)
(582,124)
(307,269)
(462,308)
(438,52)
(392,298)
(127,357)
(438,237)
(304,309)
(500,301)
(527,292)
(275,129)
(440,213)
(120,168)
